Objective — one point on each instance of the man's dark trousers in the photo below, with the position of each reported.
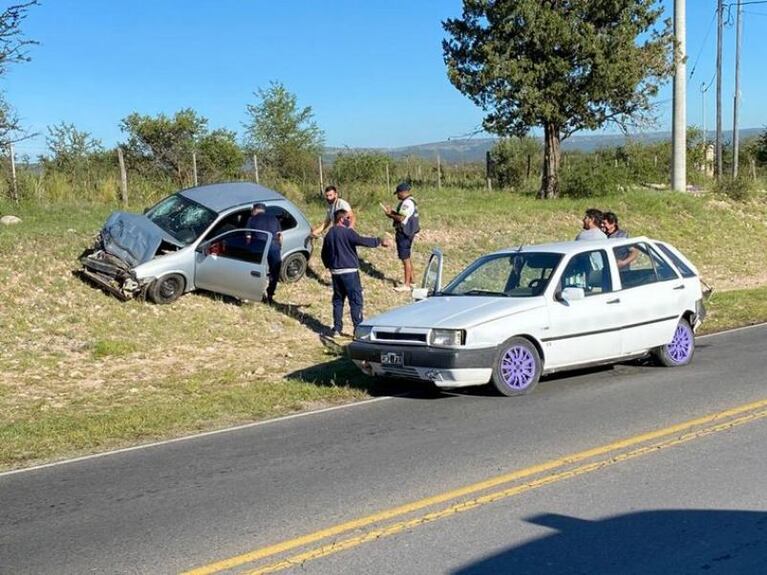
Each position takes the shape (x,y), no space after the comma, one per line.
(274,259)
(348,286)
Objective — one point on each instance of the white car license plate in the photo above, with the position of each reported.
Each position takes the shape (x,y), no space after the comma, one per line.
(392,358)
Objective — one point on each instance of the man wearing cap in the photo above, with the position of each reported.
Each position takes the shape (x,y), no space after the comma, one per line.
(335,203)
(339,255)
(406,225)
(261,221)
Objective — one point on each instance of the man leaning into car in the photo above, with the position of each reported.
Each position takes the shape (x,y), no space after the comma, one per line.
(260,220)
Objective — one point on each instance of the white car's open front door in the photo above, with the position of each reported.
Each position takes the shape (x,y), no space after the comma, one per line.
(432,277)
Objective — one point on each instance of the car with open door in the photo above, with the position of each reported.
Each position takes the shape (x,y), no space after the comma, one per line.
(197,239)
(516,314)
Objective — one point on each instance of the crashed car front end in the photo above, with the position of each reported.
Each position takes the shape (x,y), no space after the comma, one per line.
(125,242)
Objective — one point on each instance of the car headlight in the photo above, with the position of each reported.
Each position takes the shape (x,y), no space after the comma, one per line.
(447,337)
(362,332)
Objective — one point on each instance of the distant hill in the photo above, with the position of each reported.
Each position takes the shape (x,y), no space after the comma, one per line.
(474,150)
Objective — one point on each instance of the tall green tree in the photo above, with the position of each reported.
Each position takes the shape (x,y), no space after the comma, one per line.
(284,136)
(70,146)
(13,49)
(164,142)
(561,65)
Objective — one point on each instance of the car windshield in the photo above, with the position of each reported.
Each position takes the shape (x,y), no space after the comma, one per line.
(506,275)
(182,218)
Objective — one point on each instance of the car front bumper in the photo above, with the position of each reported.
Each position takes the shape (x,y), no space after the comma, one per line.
(443,367)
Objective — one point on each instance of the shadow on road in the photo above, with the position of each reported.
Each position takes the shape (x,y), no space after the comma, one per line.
(664,541)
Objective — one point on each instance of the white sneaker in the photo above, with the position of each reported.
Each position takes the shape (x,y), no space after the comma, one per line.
(403,288)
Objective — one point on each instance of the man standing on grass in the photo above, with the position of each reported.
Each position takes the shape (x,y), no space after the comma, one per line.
(339,255)
(592,226)
(335,203)
(407,225)
(260,220)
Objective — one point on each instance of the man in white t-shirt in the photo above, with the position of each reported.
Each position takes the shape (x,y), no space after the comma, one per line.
(335,203)
(406,224)
(592,226)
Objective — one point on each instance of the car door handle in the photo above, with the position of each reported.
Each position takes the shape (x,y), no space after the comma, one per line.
(616,300)
(679,287)
(255,273)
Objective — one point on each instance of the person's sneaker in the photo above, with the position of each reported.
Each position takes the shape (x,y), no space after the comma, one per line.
(403,288)
(332,334)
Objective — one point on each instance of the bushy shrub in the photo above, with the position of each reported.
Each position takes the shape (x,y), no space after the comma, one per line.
(588,181)
(740,189)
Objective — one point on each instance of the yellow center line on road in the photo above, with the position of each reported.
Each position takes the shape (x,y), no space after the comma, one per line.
(674,435)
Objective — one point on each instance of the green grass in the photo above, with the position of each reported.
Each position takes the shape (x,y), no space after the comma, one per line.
(85,372)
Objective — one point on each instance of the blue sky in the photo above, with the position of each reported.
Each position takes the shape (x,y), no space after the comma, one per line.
(372,70)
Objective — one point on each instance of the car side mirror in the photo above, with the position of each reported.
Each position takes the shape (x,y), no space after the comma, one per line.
(419,294)
(571,294)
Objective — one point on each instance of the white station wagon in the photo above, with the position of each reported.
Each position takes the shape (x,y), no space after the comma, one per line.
(516,314)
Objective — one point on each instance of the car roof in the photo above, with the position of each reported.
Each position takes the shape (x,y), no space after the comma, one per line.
(573,246)
(219,197)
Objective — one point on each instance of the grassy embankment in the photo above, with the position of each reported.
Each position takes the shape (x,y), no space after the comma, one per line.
(84,372)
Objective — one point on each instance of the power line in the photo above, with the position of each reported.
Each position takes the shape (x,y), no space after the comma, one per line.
(703,44)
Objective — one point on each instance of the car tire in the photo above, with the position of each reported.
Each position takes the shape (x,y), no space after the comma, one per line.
(517,367)
(167,289)
(293,268)
(680,349)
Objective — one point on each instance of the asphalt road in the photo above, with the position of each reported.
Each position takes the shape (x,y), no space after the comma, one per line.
(683,500)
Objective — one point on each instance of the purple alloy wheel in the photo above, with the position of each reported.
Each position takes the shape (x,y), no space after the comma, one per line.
(680,348)
(518,367)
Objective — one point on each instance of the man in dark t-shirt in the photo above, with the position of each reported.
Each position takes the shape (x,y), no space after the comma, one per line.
(261,221)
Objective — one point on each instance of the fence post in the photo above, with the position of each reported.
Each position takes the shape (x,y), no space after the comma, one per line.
(194,167)
(388,185)
(14,182)
(123,176)
(439,173)
(322,179)
(488,171)
(255,166)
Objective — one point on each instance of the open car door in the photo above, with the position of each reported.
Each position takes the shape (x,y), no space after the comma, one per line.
(234,263)
(432,277)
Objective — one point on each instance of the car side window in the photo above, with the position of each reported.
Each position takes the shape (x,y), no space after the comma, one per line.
(233,221)
(647,268)
(683,268)
(589,271)
(286,219)
(243,245)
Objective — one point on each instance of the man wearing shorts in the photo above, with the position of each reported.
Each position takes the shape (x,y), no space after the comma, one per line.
(407,225)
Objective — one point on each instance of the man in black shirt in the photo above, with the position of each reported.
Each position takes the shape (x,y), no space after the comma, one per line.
(260,220)
(339,255)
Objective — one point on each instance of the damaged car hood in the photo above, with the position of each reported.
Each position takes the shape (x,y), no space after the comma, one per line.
(133,238)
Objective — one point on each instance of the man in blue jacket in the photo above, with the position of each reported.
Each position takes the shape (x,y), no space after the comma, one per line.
(339,255)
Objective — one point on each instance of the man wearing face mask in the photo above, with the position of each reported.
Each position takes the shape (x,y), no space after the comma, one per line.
(339,255)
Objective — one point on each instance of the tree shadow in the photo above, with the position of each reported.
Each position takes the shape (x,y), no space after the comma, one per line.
(311,274)
(369,269)
(661,541)
(293,311)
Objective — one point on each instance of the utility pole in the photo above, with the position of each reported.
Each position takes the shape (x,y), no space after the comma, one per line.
(322,177)
(679,114)
(255,166)
(719,34)
(194,167)
(736,103)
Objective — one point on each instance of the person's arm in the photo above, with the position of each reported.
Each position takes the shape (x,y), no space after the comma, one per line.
(365,241)
(319,230)
(633,254)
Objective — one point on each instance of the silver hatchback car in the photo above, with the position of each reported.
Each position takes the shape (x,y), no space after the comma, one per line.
(197,239)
